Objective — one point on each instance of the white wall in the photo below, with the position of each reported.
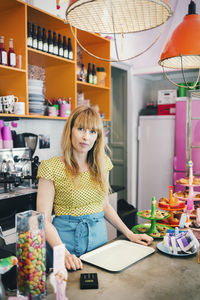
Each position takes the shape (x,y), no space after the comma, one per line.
(52,128)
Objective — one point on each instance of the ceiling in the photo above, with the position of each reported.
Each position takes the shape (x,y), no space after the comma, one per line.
(134,44)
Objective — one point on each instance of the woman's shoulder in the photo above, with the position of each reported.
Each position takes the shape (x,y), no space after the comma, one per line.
(108,163)
(48,167)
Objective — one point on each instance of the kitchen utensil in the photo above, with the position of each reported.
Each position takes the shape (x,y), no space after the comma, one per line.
(31,141)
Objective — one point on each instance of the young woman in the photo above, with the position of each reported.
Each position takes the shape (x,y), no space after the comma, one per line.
(76,186)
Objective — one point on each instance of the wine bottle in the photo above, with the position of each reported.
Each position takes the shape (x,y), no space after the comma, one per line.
(55,44)
(70,51)
(44,40)
(50,42)
(94,74)
(65,48)
(60,45)
(39,39)
(3,53)
(89,74)
(34,36)
(29,35)
(82,76)
(11,54)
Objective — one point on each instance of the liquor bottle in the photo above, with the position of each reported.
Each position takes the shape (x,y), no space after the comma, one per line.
(50,42)
(65,48)
(82,76)
(29,35)
(34,36)
(11,55)
(70,51)
(44,40)
(55,44)
(3,54)
(60,45)
(94,74)
(89,74)
(39,39)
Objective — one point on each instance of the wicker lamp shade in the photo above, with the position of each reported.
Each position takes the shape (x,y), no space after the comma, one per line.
(117,16)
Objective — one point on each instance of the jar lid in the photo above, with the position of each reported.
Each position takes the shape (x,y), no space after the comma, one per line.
(100,69)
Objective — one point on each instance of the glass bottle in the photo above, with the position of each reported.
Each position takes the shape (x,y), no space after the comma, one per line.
(82,76)
(11,54)
(39,39)
(3,54)
(70,51)
(44,40)
(34,36)
(29,35)
(50,42)
(31,254)
(89,74)
(94,74)
(65,47)
(60,45)
(55,44)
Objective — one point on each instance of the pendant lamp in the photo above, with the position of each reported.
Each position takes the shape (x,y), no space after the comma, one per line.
(117,16)
(182,51)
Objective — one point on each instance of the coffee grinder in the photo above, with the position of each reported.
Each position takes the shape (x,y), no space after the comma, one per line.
(31,140)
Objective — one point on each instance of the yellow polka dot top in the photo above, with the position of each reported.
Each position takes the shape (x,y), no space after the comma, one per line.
(73,199)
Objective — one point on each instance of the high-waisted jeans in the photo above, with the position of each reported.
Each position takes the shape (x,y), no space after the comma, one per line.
(79,234)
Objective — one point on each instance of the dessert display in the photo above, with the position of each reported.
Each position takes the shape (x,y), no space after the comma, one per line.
(171,205)
(185,181)
(152,229)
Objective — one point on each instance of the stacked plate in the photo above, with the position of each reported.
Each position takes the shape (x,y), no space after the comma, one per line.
(36,97)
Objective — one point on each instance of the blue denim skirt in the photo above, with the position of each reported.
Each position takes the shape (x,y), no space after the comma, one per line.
(80,234)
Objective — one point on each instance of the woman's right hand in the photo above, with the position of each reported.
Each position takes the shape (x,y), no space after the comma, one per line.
(72,262)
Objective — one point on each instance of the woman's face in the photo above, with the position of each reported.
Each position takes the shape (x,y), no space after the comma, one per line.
(83,139)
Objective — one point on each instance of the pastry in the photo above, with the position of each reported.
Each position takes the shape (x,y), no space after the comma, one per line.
(196,180)
(163,202)
(142,229)
(155,234)
(182,194)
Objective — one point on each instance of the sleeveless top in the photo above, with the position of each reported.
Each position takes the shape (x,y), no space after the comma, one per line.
(82,197)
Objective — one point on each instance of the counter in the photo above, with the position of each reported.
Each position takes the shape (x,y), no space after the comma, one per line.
(157,277)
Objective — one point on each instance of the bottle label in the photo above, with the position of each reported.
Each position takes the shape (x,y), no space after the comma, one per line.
(55,50)
(40,45)
(94,79)
(70,55)
(29,41)
(51,49)
(90,79)
(45,47)
(4,58)
(34,44)
(60,52)
(65,53)
(12,59)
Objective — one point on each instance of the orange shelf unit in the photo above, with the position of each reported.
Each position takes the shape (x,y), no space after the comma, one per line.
(60,73)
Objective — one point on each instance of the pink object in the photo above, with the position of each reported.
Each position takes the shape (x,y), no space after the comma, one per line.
(6,133)
(65,109)
(1,123)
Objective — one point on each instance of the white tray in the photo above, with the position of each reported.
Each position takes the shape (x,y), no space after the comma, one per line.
(117,256)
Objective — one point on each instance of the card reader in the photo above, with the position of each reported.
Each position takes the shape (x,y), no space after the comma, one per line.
(88,281)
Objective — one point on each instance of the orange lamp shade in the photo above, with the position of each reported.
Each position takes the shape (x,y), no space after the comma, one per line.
(183,48)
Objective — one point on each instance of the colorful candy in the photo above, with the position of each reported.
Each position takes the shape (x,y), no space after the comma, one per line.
(31,255)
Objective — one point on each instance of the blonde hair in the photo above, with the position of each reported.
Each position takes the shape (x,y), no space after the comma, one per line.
(88,118)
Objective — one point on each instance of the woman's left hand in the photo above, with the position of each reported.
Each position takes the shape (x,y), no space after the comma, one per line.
(142,239)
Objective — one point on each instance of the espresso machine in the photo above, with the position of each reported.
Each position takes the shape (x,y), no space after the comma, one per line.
(15,168)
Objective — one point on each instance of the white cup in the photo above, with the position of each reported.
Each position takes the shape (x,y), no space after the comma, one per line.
(19,108)
(8,103)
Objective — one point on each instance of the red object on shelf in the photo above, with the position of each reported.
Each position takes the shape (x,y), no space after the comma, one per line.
(166,109)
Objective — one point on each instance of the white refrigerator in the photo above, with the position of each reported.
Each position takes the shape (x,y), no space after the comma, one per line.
(156,135)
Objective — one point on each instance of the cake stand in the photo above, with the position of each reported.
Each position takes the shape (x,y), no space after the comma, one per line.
(151,228)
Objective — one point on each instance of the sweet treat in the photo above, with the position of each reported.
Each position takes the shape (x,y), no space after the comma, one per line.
(196,180)
(142,229)
(155,234)
(174,221)
(31,255)
(177,204)
(158,214)
(197,196)
(163,202)
(182,194)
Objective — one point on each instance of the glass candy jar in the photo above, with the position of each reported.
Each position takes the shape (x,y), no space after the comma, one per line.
(31,254)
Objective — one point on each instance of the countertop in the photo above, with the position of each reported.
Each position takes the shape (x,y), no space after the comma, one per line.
(19,191)
(156,277)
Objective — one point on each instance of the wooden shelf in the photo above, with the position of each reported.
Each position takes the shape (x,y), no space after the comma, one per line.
(60,73)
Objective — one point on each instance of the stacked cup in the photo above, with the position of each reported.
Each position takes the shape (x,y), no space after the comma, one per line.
(36,97)
(7,137)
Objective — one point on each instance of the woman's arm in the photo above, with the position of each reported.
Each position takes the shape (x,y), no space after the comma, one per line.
(112,216)
(45,198)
